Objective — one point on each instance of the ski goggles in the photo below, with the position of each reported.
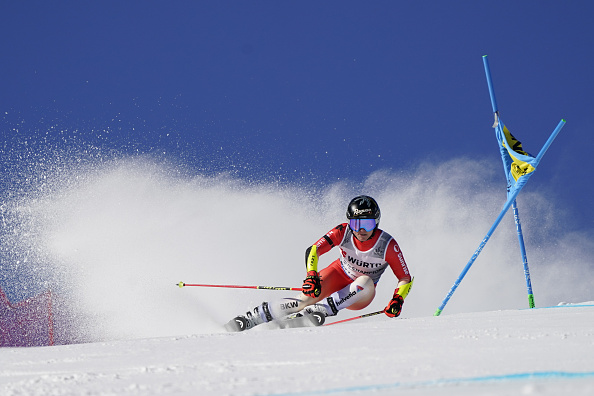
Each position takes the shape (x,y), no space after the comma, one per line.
(367,224)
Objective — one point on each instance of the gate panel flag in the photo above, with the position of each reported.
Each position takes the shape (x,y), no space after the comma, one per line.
(27,323)
(518,164)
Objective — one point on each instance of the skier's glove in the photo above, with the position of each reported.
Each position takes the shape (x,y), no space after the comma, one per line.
(395,305)
(312,287)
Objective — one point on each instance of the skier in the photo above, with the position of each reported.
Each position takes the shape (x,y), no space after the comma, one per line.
(348,282)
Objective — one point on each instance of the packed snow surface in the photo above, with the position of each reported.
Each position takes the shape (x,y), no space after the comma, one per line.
(548,351)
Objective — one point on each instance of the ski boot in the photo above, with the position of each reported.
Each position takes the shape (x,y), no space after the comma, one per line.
(321,311)
(250,320)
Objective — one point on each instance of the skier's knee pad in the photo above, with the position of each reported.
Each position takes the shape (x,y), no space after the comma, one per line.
(356,295)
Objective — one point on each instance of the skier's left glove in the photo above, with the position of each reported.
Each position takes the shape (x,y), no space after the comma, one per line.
(312,286)
(395,305)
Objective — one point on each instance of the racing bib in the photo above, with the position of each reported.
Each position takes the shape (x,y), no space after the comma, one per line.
(356,263)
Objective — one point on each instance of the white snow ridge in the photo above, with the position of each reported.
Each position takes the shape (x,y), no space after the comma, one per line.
(548,351)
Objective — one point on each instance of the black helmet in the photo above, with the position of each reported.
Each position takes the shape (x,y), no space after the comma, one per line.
(363,207)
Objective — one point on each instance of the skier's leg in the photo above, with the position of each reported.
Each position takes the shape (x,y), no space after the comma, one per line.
(356,295)
(333,279)
(365,297)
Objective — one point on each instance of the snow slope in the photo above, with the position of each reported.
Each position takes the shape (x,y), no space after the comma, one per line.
(545,351)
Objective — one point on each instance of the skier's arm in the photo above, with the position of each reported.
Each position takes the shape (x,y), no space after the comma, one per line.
(311,258)
(312,285)
(323,245)
(395,259)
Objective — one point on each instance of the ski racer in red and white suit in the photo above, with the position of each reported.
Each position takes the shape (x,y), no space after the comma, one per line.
(348,282)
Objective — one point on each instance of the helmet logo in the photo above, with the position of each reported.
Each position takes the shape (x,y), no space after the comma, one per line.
(358,212)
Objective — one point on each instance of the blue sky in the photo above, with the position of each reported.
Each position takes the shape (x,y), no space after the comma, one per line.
(303,92)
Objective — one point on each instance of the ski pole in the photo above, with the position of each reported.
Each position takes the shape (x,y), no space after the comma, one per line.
(182,284)
(356,317)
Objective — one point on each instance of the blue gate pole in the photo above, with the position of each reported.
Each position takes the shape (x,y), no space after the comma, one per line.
(524,257)
(490,83)
(514,205)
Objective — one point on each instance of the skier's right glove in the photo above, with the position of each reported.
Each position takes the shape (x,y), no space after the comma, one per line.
(312,287)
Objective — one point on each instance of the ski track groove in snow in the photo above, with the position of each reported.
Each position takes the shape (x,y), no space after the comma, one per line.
(523,352)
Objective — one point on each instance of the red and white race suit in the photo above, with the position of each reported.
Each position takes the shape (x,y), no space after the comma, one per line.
(370,257)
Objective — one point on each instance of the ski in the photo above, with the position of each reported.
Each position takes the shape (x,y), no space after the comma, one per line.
(300,319)
(296,320)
